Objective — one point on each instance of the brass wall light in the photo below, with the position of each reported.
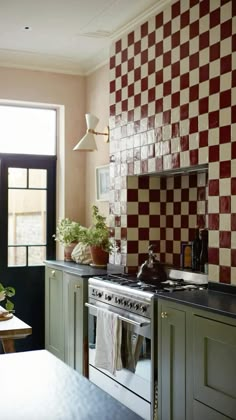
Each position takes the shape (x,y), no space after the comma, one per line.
(88,142)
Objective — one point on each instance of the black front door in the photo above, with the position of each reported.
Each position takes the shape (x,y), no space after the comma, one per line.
(27,223)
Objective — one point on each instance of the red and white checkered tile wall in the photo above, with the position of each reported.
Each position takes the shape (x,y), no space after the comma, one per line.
(172,105)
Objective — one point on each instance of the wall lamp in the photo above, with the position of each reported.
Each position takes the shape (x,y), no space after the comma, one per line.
(88,142)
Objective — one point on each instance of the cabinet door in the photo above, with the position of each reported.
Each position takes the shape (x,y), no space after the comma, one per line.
(201,411)
(214,364)
(54,313)
(171,365)
(76,322)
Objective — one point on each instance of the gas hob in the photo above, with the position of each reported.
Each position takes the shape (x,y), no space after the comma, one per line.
(170,285)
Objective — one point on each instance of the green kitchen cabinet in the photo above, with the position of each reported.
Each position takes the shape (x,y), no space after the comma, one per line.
(196,363)
(54,312)
(76,321)
(214,363)
(66,317)
(171,361)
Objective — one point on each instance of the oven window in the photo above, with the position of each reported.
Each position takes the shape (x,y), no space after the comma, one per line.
(135,349)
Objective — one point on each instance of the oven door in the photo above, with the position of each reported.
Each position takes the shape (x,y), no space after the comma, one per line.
(130,383)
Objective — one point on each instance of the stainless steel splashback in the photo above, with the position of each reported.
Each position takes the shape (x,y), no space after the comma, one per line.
(189,276)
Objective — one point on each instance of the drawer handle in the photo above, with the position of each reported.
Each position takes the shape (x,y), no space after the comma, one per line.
(77,286)
(164,315)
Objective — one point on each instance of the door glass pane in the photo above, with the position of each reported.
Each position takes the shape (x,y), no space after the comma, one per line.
(17,256)
(17,178)
(27,222)
(36,255)
(33,131)
(37,178)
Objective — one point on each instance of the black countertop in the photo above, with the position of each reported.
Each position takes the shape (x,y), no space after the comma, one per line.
(210,300)
(35,385)
(81,270)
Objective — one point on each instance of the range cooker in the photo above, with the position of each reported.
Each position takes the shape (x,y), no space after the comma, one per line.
(135,384)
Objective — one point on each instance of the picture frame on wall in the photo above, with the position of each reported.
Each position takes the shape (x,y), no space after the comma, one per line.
(102,183)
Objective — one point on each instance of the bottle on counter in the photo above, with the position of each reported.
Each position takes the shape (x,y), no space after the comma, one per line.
(204,251)
(196,250)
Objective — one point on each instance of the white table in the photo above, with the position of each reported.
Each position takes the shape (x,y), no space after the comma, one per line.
(11,330)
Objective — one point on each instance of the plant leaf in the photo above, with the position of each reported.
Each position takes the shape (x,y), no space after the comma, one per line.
(9,305)
(10,291)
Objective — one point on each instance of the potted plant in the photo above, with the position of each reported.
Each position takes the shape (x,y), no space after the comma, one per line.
(97,237)
(5,293)
(68,233)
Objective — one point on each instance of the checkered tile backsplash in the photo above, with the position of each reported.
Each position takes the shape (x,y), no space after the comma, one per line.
(172,105)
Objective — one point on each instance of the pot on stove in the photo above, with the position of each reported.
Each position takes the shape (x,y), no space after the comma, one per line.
(152,271)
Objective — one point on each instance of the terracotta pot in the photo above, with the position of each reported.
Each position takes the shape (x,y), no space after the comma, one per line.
(68,251)
(99,256)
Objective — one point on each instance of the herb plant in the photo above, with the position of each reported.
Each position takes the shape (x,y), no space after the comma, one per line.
(6,292)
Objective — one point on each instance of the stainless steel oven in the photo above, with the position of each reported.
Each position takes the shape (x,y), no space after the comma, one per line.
(135,304)
(133,383)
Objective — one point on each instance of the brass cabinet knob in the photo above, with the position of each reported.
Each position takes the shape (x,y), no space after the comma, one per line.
(164,314)
(53,273)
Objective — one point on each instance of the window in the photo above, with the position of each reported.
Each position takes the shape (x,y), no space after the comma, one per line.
(26,130)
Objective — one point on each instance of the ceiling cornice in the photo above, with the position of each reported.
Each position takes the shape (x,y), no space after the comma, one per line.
(140,19)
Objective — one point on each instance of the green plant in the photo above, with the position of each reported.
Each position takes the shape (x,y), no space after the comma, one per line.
(68,231)
(98,234)
(6,292)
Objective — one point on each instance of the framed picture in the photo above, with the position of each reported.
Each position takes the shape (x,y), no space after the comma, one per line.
(102,183)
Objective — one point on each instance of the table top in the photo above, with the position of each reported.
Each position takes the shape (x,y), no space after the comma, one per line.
(35,385)
(14,328)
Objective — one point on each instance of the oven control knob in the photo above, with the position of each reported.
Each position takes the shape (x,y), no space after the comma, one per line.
(99,294)
(136,306)
(119,301)
(130,304)
(143,308)
(125,303)
(108,297)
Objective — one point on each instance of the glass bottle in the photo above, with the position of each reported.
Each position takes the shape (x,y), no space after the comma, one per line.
(204,251)
(196,250)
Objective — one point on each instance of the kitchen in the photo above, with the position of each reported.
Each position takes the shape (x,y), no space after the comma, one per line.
(159,121)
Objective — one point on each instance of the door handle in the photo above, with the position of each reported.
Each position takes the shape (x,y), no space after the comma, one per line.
(122,318)
(164,315)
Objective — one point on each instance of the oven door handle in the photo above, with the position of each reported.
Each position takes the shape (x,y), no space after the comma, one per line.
(122,318)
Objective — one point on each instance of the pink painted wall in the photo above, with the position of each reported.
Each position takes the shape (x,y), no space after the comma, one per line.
(97,102)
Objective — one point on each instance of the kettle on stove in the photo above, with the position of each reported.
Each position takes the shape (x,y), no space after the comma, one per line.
(152,271)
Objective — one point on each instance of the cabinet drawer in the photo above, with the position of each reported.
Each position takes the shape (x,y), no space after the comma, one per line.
(214,365)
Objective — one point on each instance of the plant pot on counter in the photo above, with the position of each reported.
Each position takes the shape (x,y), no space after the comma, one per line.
(68,249)
(99,256)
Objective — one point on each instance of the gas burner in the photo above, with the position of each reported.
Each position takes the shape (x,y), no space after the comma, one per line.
(170,285)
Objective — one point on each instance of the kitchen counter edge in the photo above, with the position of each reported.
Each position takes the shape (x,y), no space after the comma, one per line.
(210,300)
(81,270)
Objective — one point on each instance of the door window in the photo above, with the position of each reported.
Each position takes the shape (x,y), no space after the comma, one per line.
(26,216)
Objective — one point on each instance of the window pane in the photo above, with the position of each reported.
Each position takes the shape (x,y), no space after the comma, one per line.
(27,130)
(17,256)
(37,178)
(17,178)
(26,217)
(36,255)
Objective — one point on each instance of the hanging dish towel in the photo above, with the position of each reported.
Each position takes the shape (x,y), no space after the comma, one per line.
(108,341)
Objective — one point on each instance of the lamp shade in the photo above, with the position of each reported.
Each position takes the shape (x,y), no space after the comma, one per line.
(91,121)
(87,143)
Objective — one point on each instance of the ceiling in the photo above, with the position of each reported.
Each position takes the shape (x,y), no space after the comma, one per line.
(69,36)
